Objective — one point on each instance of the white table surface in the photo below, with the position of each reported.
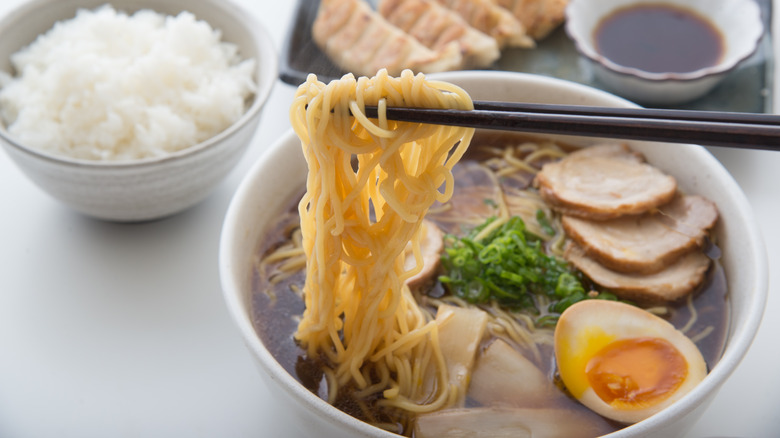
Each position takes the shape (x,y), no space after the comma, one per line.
(120,330)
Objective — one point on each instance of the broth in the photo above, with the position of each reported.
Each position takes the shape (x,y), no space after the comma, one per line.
(276,308)
(659,39)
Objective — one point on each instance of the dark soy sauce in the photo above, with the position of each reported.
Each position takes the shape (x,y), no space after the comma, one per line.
(659,38)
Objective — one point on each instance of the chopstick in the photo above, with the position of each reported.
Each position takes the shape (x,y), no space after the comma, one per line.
(710,128)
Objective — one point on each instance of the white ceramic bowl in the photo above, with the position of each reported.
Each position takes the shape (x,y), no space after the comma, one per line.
(280,174)
(739,21)
(148,188)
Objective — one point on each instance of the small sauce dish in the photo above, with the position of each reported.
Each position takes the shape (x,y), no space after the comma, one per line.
(664,52)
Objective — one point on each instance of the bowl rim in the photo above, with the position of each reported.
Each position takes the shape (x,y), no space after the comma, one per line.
(584,46)
(267,69)
(734,352)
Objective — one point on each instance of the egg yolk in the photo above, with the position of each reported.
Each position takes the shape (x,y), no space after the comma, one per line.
(635,373)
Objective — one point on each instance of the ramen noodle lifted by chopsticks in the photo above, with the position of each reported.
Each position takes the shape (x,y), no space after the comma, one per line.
(356,222)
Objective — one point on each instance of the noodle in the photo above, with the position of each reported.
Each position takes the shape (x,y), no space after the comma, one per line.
(694,314)
(356,222)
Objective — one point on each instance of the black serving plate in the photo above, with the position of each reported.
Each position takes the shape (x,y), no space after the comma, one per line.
(300,56)
(747,89)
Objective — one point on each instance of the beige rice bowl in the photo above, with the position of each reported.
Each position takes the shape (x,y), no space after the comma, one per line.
(108,86)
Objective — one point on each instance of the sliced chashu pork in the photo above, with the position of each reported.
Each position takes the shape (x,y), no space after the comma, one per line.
(436,27)
(359,40)
(649,242)
(604,182)
(488,17)
(670,284)
(540,17)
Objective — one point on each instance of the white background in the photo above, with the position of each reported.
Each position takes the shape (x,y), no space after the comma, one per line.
(120,330)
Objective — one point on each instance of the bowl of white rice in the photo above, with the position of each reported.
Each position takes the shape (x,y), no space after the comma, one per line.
(131,110)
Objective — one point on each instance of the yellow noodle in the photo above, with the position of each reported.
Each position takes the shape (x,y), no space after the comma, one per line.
(330,378)
(545,152)
(355,225)
(277,278)
(703,334)
(658,310)
(694,314)
(521,334)
(283,253)
(557,245)
(518,163)
(296,289)
(527,147)
(503,211)
(507,171)
(378,386)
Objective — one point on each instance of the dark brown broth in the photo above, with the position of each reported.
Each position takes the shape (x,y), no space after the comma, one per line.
(659,38)
(274,319)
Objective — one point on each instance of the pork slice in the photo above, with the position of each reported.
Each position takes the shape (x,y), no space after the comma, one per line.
(619,151)
(668,285)
(689,215)
(647,243)
(604,182)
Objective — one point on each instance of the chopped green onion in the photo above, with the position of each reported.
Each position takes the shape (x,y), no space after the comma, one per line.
(509,266)
(544,222)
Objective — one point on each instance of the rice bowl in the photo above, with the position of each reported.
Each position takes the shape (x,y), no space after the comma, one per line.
(155,186)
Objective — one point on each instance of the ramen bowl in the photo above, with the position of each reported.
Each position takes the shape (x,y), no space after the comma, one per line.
(737,26)
(279,176)
(152,187)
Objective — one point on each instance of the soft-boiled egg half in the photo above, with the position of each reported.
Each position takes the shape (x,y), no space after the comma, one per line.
(623,362)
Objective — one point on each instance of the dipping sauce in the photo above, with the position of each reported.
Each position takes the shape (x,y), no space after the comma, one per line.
(659,38)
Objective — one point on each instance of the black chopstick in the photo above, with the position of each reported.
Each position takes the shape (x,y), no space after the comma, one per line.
(645,113)
(711,128)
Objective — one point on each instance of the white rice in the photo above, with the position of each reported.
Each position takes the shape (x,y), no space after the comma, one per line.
(110,86)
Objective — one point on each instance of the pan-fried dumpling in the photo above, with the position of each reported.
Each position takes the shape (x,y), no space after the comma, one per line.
(488,17)
(540,17)
(436,27)
(359,40)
